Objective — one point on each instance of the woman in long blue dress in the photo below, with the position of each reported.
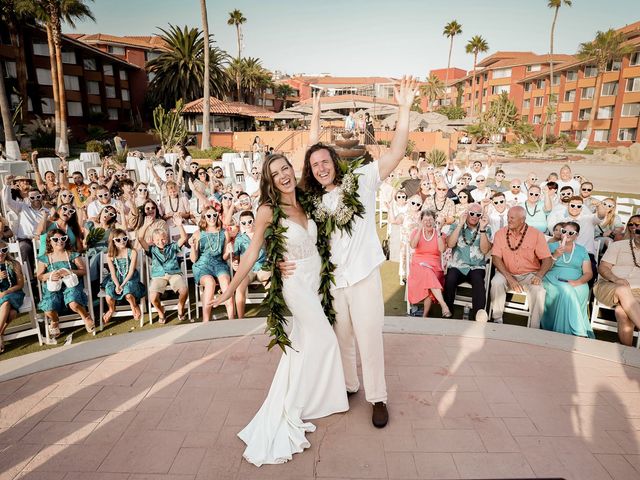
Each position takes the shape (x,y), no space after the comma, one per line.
(209,257)
(565,306)
(11,294)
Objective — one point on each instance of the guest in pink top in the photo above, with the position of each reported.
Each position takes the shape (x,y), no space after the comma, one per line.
(426,277)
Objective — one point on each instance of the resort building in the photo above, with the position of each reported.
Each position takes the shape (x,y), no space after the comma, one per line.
(379,87)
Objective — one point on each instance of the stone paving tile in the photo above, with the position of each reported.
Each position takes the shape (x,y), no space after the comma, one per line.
(618,467)
(188,460)
(352,456)
(66,458)
(492,465)
(13,458)
(63,433)
(435,465)
(449,441)
(401,465)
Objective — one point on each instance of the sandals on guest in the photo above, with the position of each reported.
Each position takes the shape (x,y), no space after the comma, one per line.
(107,317)
(161,320)
(54,330)
(89,325)
(447,314)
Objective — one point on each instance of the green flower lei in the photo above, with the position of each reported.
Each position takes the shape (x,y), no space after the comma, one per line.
(349,206)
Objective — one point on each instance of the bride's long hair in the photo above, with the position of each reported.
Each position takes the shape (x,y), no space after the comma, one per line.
(269,193)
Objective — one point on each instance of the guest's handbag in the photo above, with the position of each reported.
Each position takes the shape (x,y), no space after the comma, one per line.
(70,280)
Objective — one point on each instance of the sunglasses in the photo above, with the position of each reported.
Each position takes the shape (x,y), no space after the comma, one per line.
(463,197)
(533,194)
(608,205)
(66,195)
(515,186)
(149,209)
(35,197)
(475,214)
(201,173)
(577,177)
(103,195)
(227,197)
(194,167)
(121,239)
(61,239)
(68,210)
(575,205)
(416,204)
(111,213)
(450,170)
(246,222)
(211,215)
(401,197)
(4,249)
(168,172)
(478,180)
(143,190)
(571,233)
(443,189)
(460,183)
(498,202)
(255,173)
(534,179)
(634,225)
(566,194)
(587,189)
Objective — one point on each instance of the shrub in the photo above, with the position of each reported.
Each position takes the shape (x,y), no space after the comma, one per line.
(452,112)
(411,145)
(95,146)
(95,132)
(41,132)
(386,143)
(213,153)
(437,158)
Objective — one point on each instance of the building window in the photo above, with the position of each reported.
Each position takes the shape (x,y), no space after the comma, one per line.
(151,55)
(580,134)
(527,87)
(570,96)
(48,107)
(627,134)
(123,75)
(502,73)
(69,57)
(540,83)
(633,85)
(631,109)
(477,92)
(537,119)
(590,71)
(113,113)
(534,68)
(498,89)
(108,69)
(556,80)
(71,83)
(125,95)
(613,66)
(587,93)
(89,63)
(485,77)
(41,49)
(93,88)
(605,112)
(115,50)
(526,103)
(601,135)
(484,92)
(44,76)
(635,59)
(609,89)
(538,101)
(10,70)
(110,91)
(14,101)
(95,108)
(74,109)
(584,114)
(566,116)
(268,102)
(572,75)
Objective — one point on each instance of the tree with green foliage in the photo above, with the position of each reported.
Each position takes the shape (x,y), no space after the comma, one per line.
(476,45)
(169,126)
(451,29)
(236,18)
(432,89)
(452,112)
(284,90)
(500,118)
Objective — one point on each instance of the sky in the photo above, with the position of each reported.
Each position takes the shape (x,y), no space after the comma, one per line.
(368,37)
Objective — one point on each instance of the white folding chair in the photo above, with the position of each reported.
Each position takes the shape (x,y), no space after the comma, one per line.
(625,208)
(15,331)
(517,303)
(408,255)
(464,298)
(122,309)
(169,304)
(599,322)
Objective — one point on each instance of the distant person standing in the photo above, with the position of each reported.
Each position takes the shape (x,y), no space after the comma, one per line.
(370,134)
(350,122)
(257,149)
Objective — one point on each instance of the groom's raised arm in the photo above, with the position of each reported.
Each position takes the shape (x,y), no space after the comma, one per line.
(404,96)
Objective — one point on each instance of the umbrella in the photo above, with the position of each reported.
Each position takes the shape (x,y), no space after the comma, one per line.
(304,109)
(288,115)
(416,120)
(382,110)
(331,115)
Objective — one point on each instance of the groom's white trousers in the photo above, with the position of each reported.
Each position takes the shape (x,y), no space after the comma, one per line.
(360,317)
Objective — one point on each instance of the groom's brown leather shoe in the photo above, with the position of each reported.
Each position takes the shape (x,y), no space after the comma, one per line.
(380,415)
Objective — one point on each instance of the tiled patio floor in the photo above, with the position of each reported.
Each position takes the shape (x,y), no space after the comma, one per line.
(460,408)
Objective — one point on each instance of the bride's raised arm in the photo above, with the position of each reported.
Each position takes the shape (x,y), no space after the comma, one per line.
(263,219)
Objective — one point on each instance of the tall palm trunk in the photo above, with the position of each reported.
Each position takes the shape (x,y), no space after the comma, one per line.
(206,101)
(54,83)
(63,148)
(550,121)
(446,75)
(594,102)
(11,143)
(239,57)
(473,83)
(17,38)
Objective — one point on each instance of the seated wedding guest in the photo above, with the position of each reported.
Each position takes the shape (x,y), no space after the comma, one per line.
(11,294)
(412,184)
(586,191)
(104,199)
(498,184)
(451,174)
(550,189)
(57,264)
(477,169)
(175,203)
(515,195)
(462,205)
(619,284)
(556,234)
(149,212)
(165,266)
(611,227)
(453,192)
(170,176)
(497,211)
(559,209)
(426,277)
(425,189)
(30,214)
(566,284)
(210,249)
(410,221)
(49,187)
(242,204)
(566,180)
(522,258)
(469,239)
(20,187)
(397,210)
(240,246)
(64,218)
(79,188)
(537,208)
(439,203)
(123,282)
(96,239)
(532,179)
(481,191)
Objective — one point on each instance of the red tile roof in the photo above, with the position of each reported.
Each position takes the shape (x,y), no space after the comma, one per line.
(344,80)
(220,107)
(144,41)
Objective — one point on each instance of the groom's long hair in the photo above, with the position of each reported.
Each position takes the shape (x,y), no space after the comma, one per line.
(269,194)
(308,182)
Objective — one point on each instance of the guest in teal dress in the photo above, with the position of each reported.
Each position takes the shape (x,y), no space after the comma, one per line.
(65,218)
(57,265)
(209,257)
(11,294)
(565,307)
(537,209)
(96,239)
(123,283)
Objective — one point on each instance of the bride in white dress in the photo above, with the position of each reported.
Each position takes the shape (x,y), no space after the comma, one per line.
(309,382)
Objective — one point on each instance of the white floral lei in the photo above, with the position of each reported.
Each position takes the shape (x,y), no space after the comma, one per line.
(342,214)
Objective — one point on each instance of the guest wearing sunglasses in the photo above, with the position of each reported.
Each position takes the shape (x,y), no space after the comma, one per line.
(566,283)
(210,249)
(470,244)
(65,218)
(96,240)
(58,262)
(397,211)
(451,174)
(443,206)
(240,246)
(11,294)
(515,195)
(149,212)
(498,184)
(537,208)
(104,198)
(586,192)
(49,187)
(611,228)
(497,210)
(123,282)
(481,191)
(411,221)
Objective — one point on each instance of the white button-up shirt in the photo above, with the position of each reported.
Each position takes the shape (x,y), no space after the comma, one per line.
(28,217)
(357,255)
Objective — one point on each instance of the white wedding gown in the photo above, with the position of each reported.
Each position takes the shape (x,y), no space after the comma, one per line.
(309,382)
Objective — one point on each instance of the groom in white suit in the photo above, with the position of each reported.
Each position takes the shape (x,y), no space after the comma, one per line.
(358,298)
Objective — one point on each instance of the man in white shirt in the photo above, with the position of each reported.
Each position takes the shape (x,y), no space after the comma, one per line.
(515,195)
(451,174)
(104,199)
(497,210)
(477,169)
(29,213)
(482,191)
(358,298)
(566,179)
(252,184)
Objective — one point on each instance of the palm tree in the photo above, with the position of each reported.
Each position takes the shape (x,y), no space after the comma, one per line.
(15,21)
(555,4)
(284,90)
(432,89)
(179,71)
(476,45)
(237,18)
(451,29)
(606,47)
(10,141)
(206,102)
